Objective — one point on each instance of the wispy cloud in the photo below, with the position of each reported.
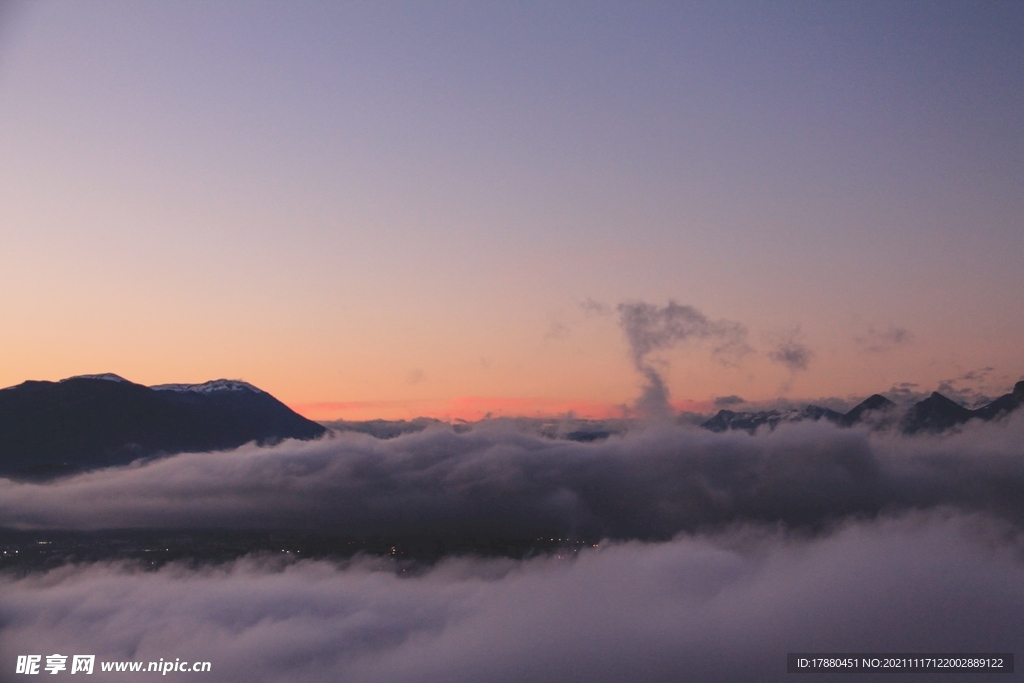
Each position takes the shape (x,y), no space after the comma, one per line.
(968,388)
(973,388)
(878,341)
(650,328)
(557,329)
(592,307)
(790,352)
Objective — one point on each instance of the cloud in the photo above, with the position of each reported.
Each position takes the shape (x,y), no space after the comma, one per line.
(978,375)
(791,353)
(724,401)
(724,607)
(906,393)
(592,307)
(808,538)
(970,388)
(649,328)
(653,399)
(556,330)
(794,355)
(500,482)
(875,341)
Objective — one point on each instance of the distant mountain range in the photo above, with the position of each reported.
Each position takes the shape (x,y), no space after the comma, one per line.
(49,429)
(934,414)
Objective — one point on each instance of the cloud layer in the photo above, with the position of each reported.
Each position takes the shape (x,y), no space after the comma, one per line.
(725,607)
(806,538)
(501,482)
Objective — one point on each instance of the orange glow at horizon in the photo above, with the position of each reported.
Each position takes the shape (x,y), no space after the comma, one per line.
(472,408)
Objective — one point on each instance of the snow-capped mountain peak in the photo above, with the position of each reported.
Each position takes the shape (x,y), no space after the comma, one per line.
(108,376)
(210,387)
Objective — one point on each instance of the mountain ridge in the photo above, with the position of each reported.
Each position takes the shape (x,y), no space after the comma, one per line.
(50,429)
(934,414)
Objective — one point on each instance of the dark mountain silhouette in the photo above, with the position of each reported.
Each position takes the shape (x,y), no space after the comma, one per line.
(938,413)
(50,429)
(726,420)
(876,404)
(53,428)
(1006,403)
(934,414)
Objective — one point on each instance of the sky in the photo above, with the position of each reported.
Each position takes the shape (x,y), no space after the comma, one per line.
(449,209)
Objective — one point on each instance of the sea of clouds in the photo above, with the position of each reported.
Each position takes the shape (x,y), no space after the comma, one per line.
(721,553)
(650,483)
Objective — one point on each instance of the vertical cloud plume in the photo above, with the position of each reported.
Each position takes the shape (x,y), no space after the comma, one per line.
(649,329)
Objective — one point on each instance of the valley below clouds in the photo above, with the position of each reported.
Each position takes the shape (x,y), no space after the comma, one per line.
(721,607)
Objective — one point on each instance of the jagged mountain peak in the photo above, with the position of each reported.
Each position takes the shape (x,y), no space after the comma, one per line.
(934,414)
(877,402)
(726,420)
